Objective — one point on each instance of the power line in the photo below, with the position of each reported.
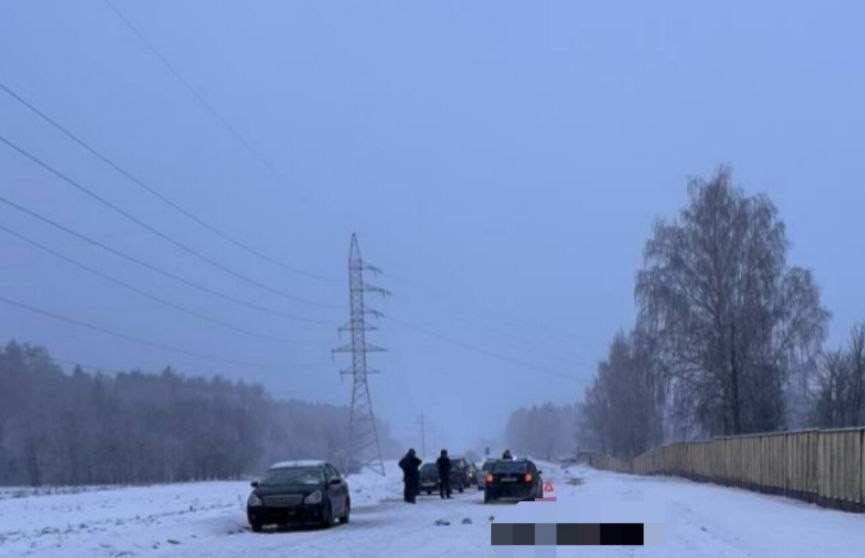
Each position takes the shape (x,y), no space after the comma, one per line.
(142,292)
(216,115)
(481,350)
(228,127)
(157,232)
(501,316)
(161,197)
(160,271)
(239,137)
(130,338)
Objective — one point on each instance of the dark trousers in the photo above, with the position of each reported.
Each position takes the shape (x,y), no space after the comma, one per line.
(445,486)
(409,490)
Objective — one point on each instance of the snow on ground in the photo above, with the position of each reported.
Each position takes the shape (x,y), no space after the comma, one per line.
(208,520)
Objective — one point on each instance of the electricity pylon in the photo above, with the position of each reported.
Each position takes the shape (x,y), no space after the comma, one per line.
(363,449)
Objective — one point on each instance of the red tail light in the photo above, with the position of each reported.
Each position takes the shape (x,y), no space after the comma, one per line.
(488,477)
(528,477)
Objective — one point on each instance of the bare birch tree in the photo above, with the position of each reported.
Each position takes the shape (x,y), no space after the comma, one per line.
(732,320)
(839,391)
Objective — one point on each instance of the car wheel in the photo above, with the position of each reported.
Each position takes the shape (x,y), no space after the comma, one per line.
(256,527)
(344,518)
(327,515)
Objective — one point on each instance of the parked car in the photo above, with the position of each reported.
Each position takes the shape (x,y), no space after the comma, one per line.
(299,492)
(473,474)
(519,479)
(429,477)
(485,468)
(461,473)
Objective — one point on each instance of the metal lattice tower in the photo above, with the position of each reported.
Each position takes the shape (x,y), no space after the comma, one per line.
(363,443)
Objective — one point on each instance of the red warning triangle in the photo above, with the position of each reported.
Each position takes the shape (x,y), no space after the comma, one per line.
(548,486)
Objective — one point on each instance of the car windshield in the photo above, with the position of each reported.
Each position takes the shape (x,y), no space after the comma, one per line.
(428,467)
(488,464)
(293,475)
(510,467)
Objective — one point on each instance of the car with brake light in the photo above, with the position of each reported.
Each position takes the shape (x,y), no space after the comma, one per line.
(486,466)
(517,479)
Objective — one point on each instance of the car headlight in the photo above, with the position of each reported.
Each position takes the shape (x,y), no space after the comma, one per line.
(254,501)
(313,498)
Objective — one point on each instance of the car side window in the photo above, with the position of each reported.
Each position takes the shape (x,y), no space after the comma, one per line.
(332,473)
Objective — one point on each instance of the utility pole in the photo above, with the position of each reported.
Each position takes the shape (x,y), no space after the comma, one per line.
(364,448)
(434,438)
(422,435)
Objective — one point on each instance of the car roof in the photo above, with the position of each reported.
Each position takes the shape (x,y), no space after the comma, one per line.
(521,461)
(298,463)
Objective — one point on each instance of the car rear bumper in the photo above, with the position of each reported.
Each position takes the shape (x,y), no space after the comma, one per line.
(510,492)
(305,513)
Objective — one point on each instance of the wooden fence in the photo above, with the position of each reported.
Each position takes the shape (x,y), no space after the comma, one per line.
(822,466)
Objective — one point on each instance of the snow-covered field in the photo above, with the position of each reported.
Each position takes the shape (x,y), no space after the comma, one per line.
(208,519)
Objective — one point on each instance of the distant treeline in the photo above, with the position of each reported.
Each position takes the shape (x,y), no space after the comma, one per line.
(132,427)
(728,338)
(544,432)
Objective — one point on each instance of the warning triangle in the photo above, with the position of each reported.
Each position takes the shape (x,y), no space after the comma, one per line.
(548,486)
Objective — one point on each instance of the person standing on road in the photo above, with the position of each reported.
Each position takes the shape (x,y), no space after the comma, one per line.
(507,455)
(410,475)
(443,464)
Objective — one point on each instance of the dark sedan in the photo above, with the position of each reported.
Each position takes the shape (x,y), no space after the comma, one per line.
(299,492)
(467,470)
(517,479)
(429,478)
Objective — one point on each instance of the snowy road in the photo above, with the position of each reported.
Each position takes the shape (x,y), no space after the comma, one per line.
(207,519)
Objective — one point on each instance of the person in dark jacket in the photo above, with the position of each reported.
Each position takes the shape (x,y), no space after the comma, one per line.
(443,464)
(507,455)
(410,475)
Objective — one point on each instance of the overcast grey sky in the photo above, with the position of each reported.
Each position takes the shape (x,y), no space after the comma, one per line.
(501,162)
